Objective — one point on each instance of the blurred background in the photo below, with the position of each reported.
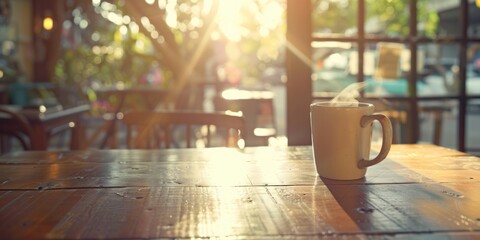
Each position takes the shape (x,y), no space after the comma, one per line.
(419,61)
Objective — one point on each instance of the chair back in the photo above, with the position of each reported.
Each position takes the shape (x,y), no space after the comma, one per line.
(20,128)
(177,129)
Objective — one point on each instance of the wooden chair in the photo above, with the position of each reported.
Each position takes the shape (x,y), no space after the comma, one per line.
(152,129)
(21,130)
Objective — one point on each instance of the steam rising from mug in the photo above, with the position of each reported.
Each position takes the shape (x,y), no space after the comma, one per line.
(346,98)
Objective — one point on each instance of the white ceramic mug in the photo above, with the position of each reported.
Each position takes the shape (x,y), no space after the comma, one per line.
(341,138)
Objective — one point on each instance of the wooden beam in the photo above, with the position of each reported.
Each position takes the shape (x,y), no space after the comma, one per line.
(298,65)
(46,43)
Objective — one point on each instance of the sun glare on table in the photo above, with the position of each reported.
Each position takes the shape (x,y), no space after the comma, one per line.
(225,171)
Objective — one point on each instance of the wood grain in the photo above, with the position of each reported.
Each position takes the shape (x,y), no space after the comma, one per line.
(421,191)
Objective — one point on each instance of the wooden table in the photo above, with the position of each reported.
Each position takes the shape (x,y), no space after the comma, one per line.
(420,191)
(43,123)
(258,110)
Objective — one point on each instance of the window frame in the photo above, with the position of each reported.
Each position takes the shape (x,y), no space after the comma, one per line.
(299,86)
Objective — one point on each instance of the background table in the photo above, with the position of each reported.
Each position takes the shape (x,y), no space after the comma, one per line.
(258,109)
(258,193)
(43,123)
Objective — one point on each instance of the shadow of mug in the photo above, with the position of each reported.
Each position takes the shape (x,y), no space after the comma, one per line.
(354,198)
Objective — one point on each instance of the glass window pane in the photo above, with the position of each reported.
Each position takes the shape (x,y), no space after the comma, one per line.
(443,18)
(386,18)
(335,17)
(438,18)
(438,122)
(331,67)
(473,69)
(386,69)
(439,71)
(474,19)
(472,133)
(386,66)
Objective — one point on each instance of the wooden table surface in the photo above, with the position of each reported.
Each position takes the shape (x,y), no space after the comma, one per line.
(421,191)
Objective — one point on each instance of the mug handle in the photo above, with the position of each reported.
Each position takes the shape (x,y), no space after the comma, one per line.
(386,140)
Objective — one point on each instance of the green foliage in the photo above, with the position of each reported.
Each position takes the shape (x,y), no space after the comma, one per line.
(107,59)
(260,46)
(338,16)
(334,16)
(429,20)
(395,14)
(114,57)
(84,63)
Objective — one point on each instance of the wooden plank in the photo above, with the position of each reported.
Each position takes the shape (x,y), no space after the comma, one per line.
(258,166)
(185,212)
(263,193)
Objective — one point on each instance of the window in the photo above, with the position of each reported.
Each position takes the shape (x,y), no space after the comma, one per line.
(420,57)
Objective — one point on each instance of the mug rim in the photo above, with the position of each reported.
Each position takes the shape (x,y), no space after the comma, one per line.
(328,104)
